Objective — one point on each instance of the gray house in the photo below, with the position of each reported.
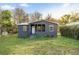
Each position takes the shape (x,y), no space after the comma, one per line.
(38,28)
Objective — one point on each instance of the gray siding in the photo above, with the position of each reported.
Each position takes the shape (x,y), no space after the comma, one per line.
(46,32)
(22,33)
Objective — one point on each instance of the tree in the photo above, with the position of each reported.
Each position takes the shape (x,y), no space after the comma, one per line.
(74,16)
(36,16)
(6,20)
(48,17)
(65,19)
(26,18)
(19,15)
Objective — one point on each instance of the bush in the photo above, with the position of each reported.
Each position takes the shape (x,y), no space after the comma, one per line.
(70,30)
(13,29)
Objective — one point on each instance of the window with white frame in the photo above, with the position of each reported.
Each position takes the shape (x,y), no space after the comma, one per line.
(51,28)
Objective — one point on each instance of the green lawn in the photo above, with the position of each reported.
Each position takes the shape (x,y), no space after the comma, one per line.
(38,46)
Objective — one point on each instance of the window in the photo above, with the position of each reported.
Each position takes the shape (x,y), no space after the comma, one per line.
(43,27)
(24,28)
(40,27)
(51,28)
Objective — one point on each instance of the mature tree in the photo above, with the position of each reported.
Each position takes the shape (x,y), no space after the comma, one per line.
(36,16)
(48,17)
(74,16)
(65,19)
(20,15)
(26,18)
(5,20)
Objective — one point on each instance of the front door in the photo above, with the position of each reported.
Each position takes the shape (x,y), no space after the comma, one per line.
(33,29)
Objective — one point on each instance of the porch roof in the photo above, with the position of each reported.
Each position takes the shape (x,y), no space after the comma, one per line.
(23,24)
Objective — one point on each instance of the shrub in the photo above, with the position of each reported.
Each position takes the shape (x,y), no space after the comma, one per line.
(13,29)
(70,30)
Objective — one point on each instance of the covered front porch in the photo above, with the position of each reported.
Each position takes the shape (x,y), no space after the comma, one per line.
(37,28)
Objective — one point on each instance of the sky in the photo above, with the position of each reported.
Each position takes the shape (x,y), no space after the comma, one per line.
(55,9)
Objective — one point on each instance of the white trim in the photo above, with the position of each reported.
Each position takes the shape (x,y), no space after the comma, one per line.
(33,29)
(53,28)
(23,23)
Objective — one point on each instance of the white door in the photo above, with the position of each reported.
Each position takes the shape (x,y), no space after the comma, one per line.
(33,29)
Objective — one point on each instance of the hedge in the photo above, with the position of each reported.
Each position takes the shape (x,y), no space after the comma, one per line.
(70,30)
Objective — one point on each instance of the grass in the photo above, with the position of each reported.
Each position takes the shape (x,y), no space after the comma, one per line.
(12,45)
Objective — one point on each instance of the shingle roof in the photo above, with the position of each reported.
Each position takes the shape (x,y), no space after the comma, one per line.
(45,21)
(36,22)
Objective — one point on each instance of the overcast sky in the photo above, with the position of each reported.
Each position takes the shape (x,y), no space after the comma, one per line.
(55,9)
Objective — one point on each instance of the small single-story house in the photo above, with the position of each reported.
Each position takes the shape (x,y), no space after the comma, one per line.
(39,28)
